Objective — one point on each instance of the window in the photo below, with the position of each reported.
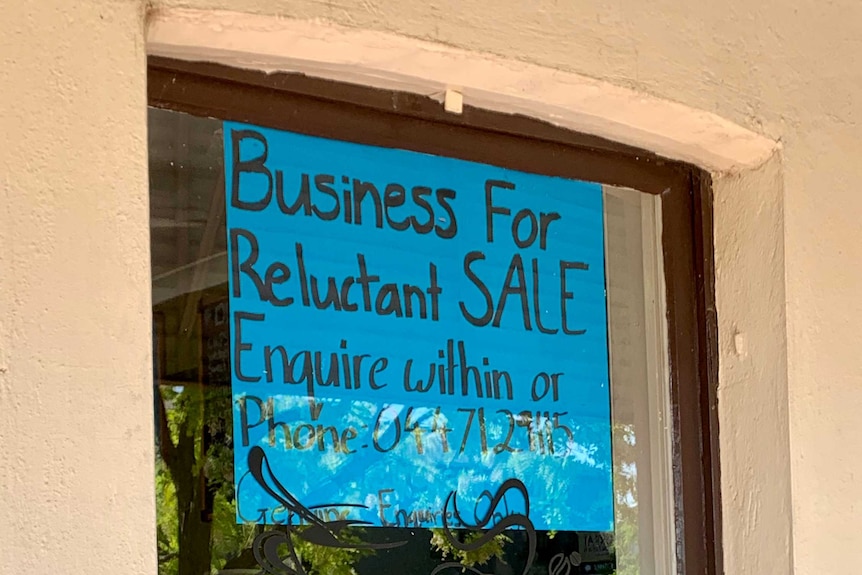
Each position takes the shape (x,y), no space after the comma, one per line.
(644,458)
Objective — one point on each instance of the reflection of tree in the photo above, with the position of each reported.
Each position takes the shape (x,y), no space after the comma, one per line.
(189,412)
(297,554)
(194,468)
(493,549)
(188,541)
(197,529)
(179,450)
(190,544)
(330,560)
(626,499)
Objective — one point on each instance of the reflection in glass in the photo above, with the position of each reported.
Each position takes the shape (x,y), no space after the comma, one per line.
(195,495)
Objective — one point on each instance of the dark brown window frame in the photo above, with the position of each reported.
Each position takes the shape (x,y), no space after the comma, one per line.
(403,120)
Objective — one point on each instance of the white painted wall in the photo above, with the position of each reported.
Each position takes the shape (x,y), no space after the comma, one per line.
(75,431)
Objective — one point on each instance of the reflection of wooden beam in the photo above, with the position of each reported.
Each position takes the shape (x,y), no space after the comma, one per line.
(189,266)
(214,220)
(193,384)
(182,188)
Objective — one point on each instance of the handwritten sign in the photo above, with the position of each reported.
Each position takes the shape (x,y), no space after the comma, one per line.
(404,326)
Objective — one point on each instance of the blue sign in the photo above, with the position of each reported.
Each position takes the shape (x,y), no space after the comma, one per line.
(410,332)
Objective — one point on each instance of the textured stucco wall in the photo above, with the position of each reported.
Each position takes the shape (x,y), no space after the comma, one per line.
(753,391)
(74,355)
(76,475)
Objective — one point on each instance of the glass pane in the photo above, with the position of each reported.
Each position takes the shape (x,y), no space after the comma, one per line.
(644,526)
(198,530)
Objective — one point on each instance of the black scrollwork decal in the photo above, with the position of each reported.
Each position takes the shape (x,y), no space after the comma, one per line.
(317,531)
(499,523)
(267,545)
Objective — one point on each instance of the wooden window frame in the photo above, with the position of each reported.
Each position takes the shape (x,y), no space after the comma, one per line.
(409,121)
